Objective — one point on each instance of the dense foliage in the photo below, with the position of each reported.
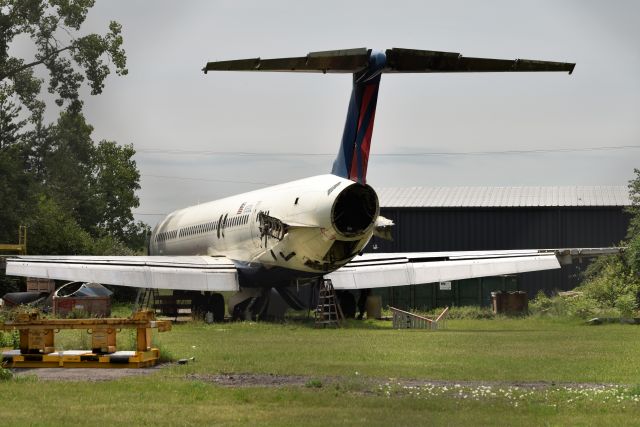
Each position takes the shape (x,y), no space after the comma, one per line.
(74,194)
(612,284)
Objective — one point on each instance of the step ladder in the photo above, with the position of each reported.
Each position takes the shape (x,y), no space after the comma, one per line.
(328,311)
(147,298)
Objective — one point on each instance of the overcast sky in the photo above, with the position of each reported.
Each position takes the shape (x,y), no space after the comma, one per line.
(166,102)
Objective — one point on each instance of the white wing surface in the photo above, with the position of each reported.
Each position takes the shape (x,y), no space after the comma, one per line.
(198,273)
(383,270)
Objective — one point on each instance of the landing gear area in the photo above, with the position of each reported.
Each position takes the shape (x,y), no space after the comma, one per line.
(253,304)
(208,306)
(272,304)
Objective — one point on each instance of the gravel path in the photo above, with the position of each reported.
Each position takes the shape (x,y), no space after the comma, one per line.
(272,380)
(83,374)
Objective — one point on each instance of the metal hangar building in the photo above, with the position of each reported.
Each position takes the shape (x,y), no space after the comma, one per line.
(490,218)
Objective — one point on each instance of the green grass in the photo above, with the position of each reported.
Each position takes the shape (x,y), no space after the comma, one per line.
(505,350)
(167,402)
(530,349)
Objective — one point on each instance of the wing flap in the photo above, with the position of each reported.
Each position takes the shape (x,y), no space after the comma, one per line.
(394,270)
(198,273)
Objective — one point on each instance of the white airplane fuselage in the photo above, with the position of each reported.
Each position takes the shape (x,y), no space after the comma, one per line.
(304,228)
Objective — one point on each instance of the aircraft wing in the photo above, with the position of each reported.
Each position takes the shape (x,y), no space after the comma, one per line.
(399,269)
(198,273)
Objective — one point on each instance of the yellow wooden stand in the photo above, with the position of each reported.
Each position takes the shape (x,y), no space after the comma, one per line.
(37,349)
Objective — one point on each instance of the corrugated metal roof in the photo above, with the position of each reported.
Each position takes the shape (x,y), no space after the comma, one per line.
(447,197)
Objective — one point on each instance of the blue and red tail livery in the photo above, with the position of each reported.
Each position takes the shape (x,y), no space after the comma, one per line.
(353,156)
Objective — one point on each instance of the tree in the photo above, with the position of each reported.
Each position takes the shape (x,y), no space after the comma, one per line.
(633,233)
(74,195)
(116,181)
(53,28)
(614,281)
(10,125)
(18,191)
(67,160)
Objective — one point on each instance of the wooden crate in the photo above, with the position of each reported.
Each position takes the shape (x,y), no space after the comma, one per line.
(40,285)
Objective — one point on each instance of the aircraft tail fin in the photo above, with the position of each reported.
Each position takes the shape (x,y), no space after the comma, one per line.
(367,67)
(353,157)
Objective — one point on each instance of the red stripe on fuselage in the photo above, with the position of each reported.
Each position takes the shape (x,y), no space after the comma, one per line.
(367,96)
(366,144)
(366,100)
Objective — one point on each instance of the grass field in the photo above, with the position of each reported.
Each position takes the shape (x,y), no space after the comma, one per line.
(366,374)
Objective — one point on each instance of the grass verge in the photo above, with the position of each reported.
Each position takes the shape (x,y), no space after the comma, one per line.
(364,360)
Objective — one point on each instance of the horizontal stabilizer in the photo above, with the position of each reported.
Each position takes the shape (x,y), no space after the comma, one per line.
(429,61)
(333,61)
(398,60)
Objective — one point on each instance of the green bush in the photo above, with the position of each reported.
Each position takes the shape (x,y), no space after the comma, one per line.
(627,305)
(10,339)
(613,280)
(461,312)
(5,374)
(559,306)
(581,306)
(541,304)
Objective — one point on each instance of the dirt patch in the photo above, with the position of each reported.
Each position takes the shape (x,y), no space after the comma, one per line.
(251,380)
(273,380)
(83,374)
